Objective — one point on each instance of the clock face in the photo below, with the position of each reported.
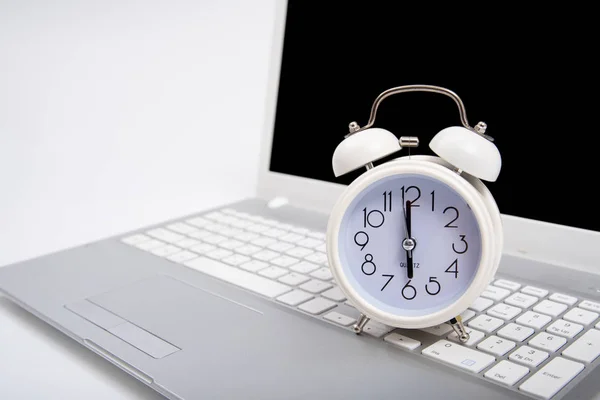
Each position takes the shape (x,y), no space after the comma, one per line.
(376,257)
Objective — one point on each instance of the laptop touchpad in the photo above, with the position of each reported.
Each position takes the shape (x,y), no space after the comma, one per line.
(162,315)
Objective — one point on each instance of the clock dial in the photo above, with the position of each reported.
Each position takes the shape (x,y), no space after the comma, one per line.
(381,239)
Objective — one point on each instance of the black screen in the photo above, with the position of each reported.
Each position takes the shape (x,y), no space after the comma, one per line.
(528,79)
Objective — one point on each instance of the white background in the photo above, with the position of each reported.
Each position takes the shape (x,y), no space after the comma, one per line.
(115,115)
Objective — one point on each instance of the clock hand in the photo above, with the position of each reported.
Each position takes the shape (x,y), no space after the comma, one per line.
(408,243)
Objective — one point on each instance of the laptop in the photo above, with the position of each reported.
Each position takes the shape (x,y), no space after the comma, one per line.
(238,301)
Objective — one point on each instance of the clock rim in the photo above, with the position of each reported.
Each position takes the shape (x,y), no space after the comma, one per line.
(488,263)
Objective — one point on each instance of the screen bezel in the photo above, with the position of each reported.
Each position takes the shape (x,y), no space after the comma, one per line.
(561,245)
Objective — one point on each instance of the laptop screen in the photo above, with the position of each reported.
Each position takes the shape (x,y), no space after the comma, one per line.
(527,85)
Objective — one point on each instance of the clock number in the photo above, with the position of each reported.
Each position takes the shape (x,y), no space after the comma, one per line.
(433,200)
(411,291)
(449,224)
(361,239)
(390,277)
(455,270)
(368,267)
(374,218)
(432,279)
(462,239)
(405,192)
(387,201)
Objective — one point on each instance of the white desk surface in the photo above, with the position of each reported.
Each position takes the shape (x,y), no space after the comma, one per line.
(114,116)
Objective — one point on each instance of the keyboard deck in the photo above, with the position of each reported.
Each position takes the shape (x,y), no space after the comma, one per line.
(522,337)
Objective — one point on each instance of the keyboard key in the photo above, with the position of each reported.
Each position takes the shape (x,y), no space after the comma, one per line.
(201,234)
(182,228)
(202,248)
(182,256)
(515,332)
(474,337)
(273,272)
(533,320)
(467,315)
(248,250)
(254,265)
(299,252)
(335,294)
(547,341)
(214,239)
(317,306)
(504,311)
(521,300)
(438,330)
(198,222)
(586,348)
(265,255)
(402,341)
(321,247)
(550,308)
(164,251)
(495,293)
(580,316)
(236,259)
(309,242)
(322,273)
(295,297)
(215,215)
(284,261)
(315,286)
(258,228)
(590,306)
(496,345)
(304,267)
(165,235)
(294,279)
(528,356)
(231,244)
(480,304)
(317,258)
(563,298)
(241,224)
(187,243)
(149,244)
(280,246)
(459,356)
(564,328)
(235,276)
(229,211)
(300,230)
(506,284)
(486,323)
(291,237)
(274,232)
(339,319)
(216,228)
(534,291)
(377,329)
(219,254)
(317,235)
(135,239)
(263,241)
(285,227)
(506,373)
(246,236)
(553,377)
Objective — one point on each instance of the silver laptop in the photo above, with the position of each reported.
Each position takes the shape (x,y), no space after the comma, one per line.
(238,302)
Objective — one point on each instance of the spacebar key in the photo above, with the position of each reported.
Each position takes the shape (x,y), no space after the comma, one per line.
(459,356)
(237,277)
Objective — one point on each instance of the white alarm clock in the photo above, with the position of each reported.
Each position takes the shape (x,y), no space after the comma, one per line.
(414,241)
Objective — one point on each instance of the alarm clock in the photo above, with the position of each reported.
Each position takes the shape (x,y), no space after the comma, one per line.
(414,241)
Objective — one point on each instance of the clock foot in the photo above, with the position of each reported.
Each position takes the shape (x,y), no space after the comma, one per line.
(360,324)
(459,328)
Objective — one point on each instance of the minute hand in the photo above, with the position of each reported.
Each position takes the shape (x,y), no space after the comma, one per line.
(408,242)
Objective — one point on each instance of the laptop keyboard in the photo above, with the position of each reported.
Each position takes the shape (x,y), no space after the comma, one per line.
(522,337)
